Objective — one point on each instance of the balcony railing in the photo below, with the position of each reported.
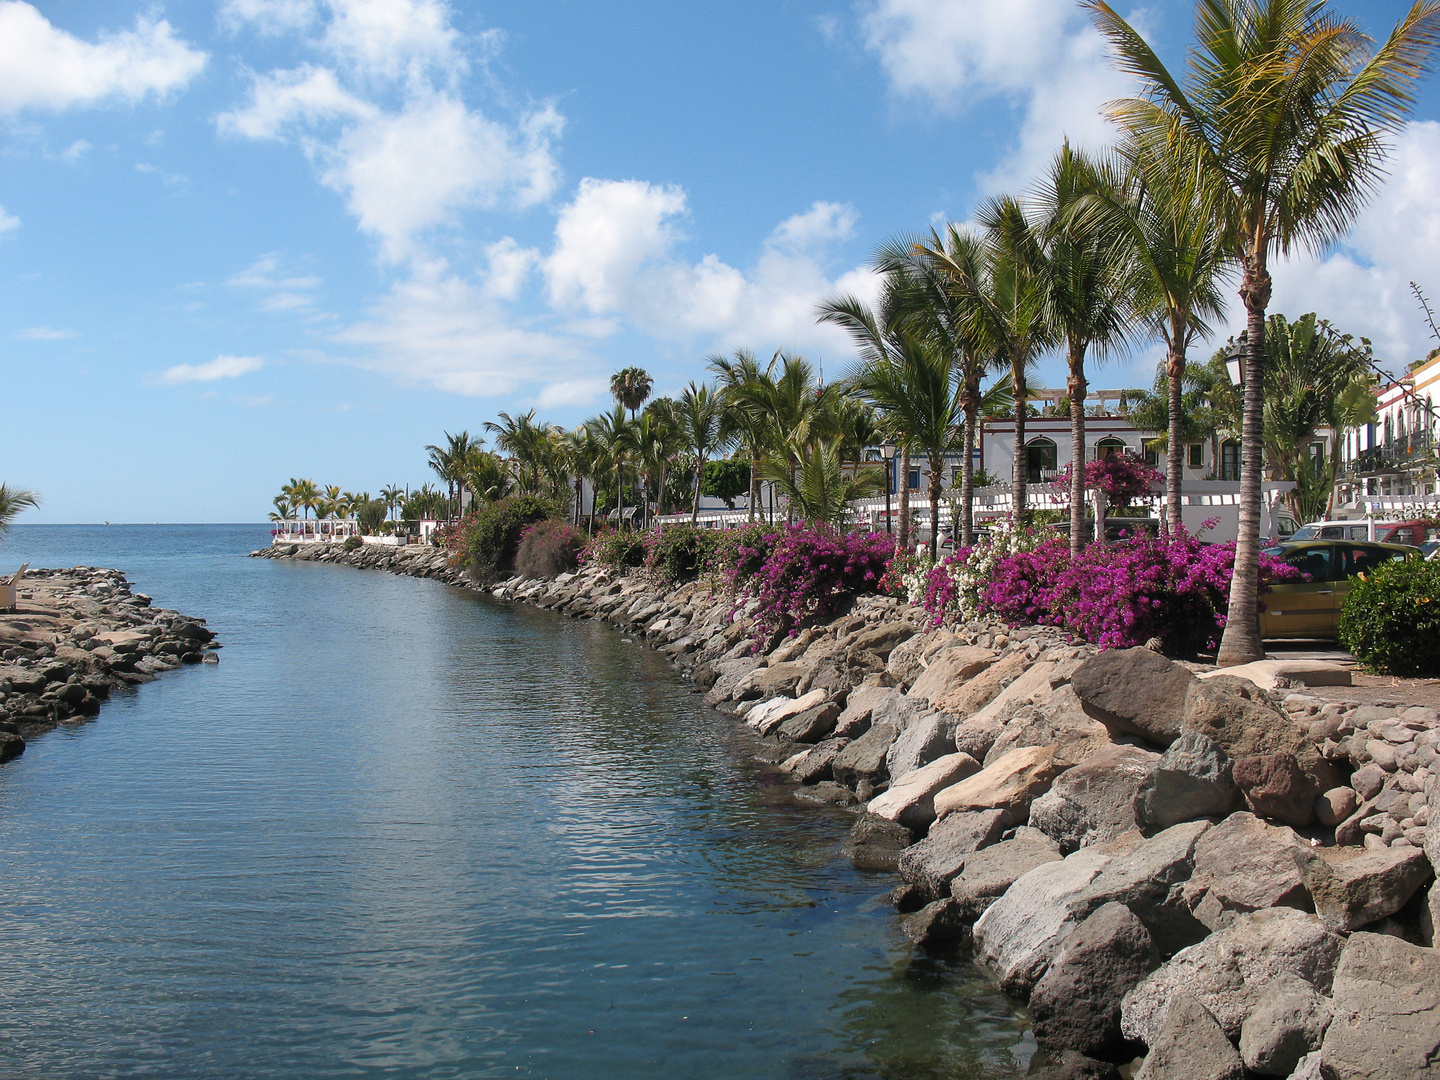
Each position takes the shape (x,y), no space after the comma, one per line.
(1394,456)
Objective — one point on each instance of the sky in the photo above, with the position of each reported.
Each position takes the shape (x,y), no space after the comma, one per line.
(249,240)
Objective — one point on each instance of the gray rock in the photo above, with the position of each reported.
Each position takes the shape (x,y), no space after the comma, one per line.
(1055,719)
(1019,934)
(989,872)
(1012,783)
(1368,781)
(948,671)
(864,758)
(882,639)
(1387,1012)
(1192,780)
(921,743)
(810,726)
(1229,971)
(1335,805)
(855,718)
(1073,1066)
(1095,801)
(875,843)
(1146,881)
(1243,865)
(937,927)
(910,799)
(1288,1023)
(935,861)
(1308,1068)
(1355,892)
(1135,691)
(1076,1004)
(814,765)
(1191,1045)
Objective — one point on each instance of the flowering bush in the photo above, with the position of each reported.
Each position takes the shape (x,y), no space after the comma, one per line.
(738,554)
(488,538)
(809,570)
(1123,477)
(1173,588)
(903,573)
(548,549)
(614,550)
(678,553)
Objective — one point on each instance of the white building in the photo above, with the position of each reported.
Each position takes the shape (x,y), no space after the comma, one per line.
(1390,465)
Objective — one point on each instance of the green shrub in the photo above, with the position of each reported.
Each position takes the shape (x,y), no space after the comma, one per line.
(738,554)
(726,479)
(352,543)
(491,537)
(1391,619)
(548,549)
(615,550)
(676,554)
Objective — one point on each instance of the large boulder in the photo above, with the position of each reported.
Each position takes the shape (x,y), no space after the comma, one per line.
(1191,1045)
(1136,691)
(1076,1004)
(919,744)
(1287,1024)
(937,927)
(854,720)
(968,698)
(815,763)
(931,864)
(875,843)
(1191,780)
(1147,880)
(1244,864)
(1019,934)
(1095,801)
(1010,784)
(773,681)
(863,760)
(1076,1066)
(949,671)
(1386,1005)
(1241,718)
(809,726)
(1353,892)
(1055,719)
(989,872)
(882,639)
(1275,786)
(910,800)
(1229,971)
(768,715)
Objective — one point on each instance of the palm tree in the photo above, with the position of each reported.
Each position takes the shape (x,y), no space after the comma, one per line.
(1283,120)
(303,494)
(612,432)
(877,335)
(14,501)
(486,475)
(448,463)
(393,496)
(918,389)
(739,422)
(527,443)
(630,387)
(282,506)
(582,453)
(820,491)
(699,413)
(1085,275)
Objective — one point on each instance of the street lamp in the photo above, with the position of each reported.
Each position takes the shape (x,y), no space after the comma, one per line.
(1235,358)
(887,454)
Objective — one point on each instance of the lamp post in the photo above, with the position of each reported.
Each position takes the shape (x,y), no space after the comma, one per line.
(887,453)
(1235,359)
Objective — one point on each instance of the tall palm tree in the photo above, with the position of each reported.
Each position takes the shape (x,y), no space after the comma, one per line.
(486,475)
(448,463)
(303,494)
(630,387)
(612,433)
(1283,119)
(527,443)
(392,496)
(699,414)
(14,501)
(739,421)
(919,389)
(877,334)
(793,407)
(583,454)
(1085,273)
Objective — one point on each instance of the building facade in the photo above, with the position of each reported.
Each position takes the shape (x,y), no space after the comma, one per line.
(1393,460)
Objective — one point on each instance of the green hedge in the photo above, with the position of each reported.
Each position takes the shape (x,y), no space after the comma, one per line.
(492,537)
(1391,619)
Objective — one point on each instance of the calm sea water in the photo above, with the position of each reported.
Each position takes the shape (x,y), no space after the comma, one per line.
(405,831)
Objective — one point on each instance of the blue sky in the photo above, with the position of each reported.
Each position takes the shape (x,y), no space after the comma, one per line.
(255,239)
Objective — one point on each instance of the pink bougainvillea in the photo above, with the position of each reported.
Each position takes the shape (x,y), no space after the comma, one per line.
(1123,477)
(809,570)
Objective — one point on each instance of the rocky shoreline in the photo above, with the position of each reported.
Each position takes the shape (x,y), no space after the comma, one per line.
(75,637)
(1186,873)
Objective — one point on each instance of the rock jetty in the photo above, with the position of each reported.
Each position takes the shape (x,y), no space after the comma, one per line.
(1177,869)
(75,637)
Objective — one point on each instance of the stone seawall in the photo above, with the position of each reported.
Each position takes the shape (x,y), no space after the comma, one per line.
(75,637)
(1167,863)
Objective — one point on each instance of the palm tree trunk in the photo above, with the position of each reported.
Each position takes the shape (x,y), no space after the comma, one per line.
(1240,644)
(1020,473)
(936,464)
(620,493)
(902,532)
(754,483)
(1076,388)
(967,479)
(1175,457)
(699,476)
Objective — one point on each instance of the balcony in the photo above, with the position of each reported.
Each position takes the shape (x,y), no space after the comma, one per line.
(1397,455)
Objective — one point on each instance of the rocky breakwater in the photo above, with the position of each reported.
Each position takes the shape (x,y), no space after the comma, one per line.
(413,560)
(75,637)
(1177,869)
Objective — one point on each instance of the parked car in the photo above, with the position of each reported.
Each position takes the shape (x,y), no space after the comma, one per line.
(1413,533)
(1311,608)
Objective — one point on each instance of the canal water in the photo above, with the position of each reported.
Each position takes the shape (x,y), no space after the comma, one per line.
(402,830)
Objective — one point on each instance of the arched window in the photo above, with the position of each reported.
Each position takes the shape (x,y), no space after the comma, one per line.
(1109,447)
(1041,457)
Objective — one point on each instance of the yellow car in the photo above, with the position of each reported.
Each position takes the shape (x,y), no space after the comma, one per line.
(1311,608)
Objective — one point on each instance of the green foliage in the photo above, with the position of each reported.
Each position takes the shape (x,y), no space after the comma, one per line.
(492,537)
(615,550)
(679,553)
(726,480)
(1391,619)
(548,549)
(352,543)
(371,515)
(738,554)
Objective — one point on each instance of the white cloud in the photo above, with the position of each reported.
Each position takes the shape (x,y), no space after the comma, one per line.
(43,333)
(393,38)
(222,367)
(1040,56)
(573,392)
(510,266)
(302,95)
(7,221)
(46,68)
(280,290)
(269,16)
